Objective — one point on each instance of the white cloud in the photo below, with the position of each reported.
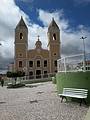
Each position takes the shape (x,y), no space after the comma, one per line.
(46,18)
(70,39)
(34,31)
(10,15)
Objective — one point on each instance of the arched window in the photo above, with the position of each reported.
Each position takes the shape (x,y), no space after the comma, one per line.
(45,63)
(55,63)
(38,63)
(20,64)
(54,53)
(20,55)
(21,36)
(30,63)
(54,36)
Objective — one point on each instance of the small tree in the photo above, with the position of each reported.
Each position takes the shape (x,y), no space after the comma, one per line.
(15,75)
(20,74)
(9,74)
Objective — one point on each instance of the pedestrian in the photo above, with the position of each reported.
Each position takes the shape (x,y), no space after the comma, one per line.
(0,78)
(2,81)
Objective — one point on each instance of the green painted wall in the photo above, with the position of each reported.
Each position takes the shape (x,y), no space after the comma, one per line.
(74,80)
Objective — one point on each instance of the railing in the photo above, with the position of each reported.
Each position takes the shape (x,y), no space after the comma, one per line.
(40,76)
(28,79)
(74,63)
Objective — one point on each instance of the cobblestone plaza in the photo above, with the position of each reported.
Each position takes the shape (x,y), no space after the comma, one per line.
(37,102)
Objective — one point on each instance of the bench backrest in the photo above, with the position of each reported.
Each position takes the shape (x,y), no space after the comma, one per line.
(74,91)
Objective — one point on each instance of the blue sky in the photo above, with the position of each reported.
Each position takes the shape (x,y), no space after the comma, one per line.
(77,12)
(72,17)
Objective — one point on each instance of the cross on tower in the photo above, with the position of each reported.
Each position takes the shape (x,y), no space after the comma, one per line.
(38,37)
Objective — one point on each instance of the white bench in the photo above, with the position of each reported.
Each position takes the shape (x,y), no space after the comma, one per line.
(74,93)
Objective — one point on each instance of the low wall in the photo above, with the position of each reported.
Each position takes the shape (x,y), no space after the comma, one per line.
(74,80)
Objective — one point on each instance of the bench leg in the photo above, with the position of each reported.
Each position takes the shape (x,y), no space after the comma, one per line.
(80,102)
(85,101)
(63,98)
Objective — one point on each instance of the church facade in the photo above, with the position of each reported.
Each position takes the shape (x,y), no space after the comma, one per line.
(37,61)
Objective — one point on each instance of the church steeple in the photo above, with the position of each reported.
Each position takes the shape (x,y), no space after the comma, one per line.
(52,25)
(21,23)
(53,45)
(21,45)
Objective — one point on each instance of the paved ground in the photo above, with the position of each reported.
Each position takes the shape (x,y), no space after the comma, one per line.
(39,102)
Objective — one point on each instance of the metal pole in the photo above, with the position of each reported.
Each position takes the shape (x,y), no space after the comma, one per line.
(84,62)
(58,62)
(65,65)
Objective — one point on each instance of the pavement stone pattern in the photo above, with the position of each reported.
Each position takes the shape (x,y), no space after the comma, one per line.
(39,102)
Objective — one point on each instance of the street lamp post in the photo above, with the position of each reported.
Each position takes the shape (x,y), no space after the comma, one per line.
(84,56)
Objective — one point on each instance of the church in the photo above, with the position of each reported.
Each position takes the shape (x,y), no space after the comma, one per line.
(38,61)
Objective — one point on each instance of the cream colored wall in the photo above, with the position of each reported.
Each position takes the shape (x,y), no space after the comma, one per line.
(41,55)
(21,47)
(54,47)
(17,35)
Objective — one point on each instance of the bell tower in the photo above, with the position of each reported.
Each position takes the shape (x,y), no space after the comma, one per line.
(53,45)
(21,46)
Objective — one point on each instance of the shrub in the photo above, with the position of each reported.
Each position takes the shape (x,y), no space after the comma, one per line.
(54,80)
(15,75)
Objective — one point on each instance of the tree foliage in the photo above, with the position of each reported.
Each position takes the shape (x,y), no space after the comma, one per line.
(15,74)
